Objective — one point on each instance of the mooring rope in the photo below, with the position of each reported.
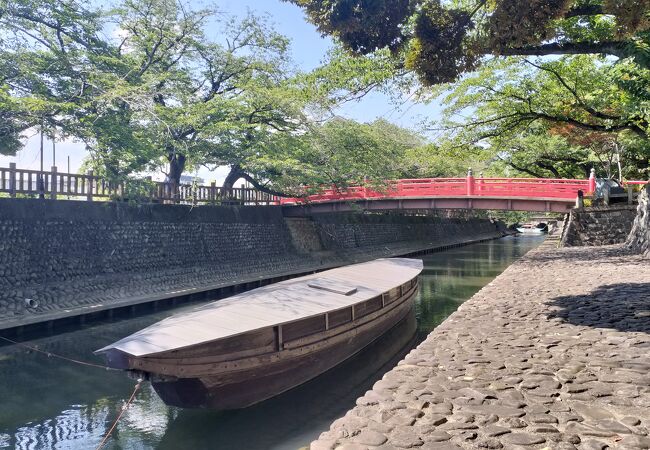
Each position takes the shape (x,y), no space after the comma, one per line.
(54,355)
(89,364)
(119,416)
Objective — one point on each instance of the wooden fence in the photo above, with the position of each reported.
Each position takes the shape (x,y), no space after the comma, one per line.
(59,185)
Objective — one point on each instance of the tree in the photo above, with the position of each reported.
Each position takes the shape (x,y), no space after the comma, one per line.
(441,40)
(441,160)
(541,154)
(339,153)
(45,49)
(208,102)
(157,92)
(549,118)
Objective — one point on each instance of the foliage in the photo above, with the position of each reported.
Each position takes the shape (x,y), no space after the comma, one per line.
(338,153)
(441,40)
(363,25)
(438,50)
(441,160)
(511,218)
(130,189)
(145,88)
(553,118)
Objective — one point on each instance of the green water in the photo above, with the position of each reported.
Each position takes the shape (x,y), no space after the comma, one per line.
(46,403)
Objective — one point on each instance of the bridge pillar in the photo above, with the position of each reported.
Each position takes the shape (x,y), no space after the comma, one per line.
(470,182)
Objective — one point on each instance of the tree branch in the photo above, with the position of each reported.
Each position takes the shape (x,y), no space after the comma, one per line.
(583,105)
(261,187)
(614,48)
(584,10)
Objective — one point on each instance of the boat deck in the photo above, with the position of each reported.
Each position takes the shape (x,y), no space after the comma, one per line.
(272,305)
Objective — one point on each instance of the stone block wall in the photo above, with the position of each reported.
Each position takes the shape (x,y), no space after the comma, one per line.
(598,226)
(357,231)
(70,258)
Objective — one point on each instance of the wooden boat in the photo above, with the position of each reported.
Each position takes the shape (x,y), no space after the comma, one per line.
(236,352)
(529,229)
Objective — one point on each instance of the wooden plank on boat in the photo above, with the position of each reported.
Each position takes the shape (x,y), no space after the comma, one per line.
(327,284)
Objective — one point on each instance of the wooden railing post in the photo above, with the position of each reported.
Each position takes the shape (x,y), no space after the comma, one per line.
(40,184)
(213,192)
(470,182)
(591,190)
(12,180)
(53,183)
(89,186)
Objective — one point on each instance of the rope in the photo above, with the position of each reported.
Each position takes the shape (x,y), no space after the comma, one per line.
(119,416)
(89,364)
(53,355)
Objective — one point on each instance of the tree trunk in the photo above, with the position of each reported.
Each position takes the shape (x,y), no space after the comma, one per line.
(237,173)
(176,167)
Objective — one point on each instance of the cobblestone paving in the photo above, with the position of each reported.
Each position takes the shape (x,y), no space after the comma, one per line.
(554,353)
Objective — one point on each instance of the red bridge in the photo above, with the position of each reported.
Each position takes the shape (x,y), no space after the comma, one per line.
(515,194)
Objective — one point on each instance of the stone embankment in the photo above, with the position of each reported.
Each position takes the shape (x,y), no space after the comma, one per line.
(61,259)
(604,225)
(552,354)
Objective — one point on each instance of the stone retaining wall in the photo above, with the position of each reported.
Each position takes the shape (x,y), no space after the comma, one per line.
(71,258)
(598,226)
(353,231)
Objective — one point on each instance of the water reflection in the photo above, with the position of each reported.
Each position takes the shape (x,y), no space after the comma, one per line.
(46,403)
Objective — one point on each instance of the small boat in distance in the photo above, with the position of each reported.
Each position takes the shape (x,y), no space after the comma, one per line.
(530,229)
(236,352)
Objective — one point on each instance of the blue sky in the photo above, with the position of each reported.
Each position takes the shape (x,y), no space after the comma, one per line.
(308,49)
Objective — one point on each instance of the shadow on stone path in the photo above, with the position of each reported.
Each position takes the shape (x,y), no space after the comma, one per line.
(620,306)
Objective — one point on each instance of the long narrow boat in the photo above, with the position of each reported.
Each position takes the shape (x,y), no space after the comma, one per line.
(236,352)
(529,229)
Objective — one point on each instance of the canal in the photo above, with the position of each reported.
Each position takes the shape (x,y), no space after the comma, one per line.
(47,403)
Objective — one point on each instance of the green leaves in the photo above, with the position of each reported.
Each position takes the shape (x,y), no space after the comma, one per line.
(553,118)
(362,26)
(338,153)
(442,40)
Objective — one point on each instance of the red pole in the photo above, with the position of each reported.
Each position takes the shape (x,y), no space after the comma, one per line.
(592,182)
(470,182)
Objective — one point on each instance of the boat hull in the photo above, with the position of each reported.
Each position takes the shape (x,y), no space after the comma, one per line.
(258,385)
(237,352)
(261,383)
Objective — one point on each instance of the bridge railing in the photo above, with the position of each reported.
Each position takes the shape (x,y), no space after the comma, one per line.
(454,187)
(530,187)
(467,187)
(54,185)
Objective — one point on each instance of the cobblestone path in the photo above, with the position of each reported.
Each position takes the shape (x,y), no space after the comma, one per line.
(554,353)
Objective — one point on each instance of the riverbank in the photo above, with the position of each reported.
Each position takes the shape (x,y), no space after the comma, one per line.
(554,353)
(73,259)
(75,411)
